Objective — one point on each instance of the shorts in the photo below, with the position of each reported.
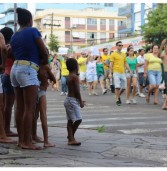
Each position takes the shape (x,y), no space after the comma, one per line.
(6,84)
(100,77)
(142,81)
(82,76)
(154,77)
(133,75)
(91,78)
(119,80)
(1,89)
(23,76)
(72,107)
(165,79)
(41,93)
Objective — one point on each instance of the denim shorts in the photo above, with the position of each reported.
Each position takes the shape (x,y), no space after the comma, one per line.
(72,107)
(23,76)
(100,77)
(1,89)
(154,77)
(133,75)
(6,84)
(119,80)
(91,78)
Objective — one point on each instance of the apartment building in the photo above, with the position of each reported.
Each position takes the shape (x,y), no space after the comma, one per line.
(78,28)
(136,14)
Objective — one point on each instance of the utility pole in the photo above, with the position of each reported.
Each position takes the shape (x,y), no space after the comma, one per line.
(51,24)
(15,17)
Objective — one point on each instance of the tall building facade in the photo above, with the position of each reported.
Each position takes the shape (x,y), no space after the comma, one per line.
(136,14)
(7,9)
(77,28)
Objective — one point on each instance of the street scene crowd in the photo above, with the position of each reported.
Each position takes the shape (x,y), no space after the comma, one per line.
(27,69)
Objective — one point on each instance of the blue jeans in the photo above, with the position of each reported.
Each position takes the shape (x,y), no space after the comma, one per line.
(154,77)
(64,87)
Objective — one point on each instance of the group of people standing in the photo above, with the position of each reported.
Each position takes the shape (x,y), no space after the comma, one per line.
(24,73)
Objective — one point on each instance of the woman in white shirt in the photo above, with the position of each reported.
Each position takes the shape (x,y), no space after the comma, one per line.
(91,75)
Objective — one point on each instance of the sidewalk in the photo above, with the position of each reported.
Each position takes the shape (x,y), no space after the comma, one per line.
(97,150)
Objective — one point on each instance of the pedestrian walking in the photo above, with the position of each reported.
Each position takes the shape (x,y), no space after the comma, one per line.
(153,70)
(117,67)
(131,77)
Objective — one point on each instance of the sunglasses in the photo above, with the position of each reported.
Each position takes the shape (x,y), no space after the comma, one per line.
(105,51)
(120,45)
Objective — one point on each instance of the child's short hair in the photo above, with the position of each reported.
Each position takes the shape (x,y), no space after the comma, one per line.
(71,64)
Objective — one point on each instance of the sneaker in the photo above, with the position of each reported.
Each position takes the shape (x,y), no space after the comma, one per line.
(66,93)
(127,101)
(141,95)
(118,103)
(133,101)
(104,91)
(94,93)
(62,93)
(90,94)
(119,99)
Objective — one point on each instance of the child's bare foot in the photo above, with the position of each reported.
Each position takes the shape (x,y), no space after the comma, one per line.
(46,145)
(75,143)
(38,139)
(31,147)
(7,140)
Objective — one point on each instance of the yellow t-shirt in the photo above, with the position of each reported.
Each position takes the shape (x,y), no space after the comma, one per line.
(82,64)
(154,63)
(64,70)
(107,59)
(118,60)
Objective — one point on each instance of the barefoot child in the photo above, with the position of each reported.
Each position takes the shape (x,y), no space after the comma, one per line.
(43,75)
(73,102)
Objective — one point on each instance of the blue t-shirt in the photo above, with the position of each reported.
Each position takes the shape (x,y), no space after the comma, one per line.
(24,47)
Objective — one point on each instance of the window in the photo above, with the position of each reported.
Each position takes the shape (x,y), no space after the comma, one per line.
(91,21)
(102,35)
(78,21)
(67,32)
(102,22)
(91,35)
(108,4)
(67,18)
(111,22)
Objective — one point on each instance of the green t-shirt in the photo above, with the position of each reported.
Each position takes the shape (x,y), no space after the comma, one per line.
(100,68)
(132,63)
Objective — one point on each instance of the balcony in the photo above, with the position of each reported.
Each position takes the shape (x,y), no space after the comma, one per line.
(124,30)
(9,18)
(4,8)
(124,10)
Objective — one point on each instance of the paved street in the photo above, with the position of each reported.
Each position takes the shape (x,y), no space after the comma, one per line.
(101,111)
(111,136)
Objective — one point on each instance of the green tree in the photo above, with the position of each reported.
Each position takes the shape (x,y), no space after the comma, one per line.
(156,29)
(53,43)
